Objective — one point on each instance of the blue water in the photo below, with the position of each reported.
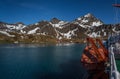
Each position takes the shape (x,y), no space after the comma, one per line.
(41,62)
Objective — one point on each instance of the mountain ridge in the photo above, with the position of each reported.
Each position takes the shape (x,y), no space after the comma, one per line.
(56,30)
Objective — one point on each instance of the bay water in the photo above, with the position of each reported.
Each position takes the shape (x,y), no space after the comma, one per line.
(27,61)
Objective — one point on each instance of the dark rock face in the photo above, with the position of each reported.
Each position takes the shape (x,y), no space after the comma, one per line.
(55,21)
(2,26)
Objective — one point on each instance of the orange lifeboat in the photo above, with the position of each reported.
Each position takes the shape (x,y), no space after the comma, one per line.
(94,58)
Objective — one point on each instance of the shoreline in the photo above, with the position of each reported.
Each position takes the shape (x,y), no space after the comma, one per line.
(13,45)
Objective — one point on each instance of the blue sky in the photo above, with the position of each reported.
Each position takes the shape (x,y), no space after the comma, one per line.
(31,11)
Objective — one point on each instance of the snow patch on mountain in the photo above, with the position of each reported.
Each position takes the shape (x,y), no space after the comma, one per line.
(97,23)
(59,24)
(43,33)
(79,18)
(36,23)
(7,34)
(105,33)
(58,34)
(11,26)
(88,15)
(15,27)
(82,25)
(33,31)
(69,34)
(115,30)
(22,31)
(93,35)
(20,26)
(84,21)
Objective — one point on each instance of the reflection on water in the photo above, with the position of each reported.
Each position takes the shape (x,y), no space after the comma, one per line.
(41,62)
(33,45)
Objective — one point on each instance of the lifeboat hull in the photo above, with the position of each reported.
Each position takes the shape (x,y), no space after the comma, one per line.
(94,66)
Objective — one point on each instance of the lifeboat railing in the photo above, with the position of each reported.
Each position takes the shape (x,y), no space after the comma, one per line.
(114,74)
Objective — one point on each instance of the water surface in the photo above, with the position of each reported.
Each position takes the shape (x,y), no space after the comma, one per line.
(41,61)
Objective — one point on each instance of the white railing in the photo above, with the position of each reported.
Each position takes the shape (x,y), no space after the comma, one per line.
(114,74)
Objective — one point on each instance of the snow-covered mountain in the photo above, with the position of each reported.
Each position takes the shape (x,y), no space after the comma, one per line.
(11,27)
(88,20)
(77,30)
(104,30)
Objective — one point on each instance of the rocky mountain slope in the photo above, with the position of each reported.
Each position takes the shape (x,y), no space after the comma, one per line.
(56,30)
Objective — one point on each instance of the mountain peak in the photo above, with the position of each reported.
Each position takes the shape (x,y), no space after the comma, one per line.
(89,15)
(88,20)
(55,20)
